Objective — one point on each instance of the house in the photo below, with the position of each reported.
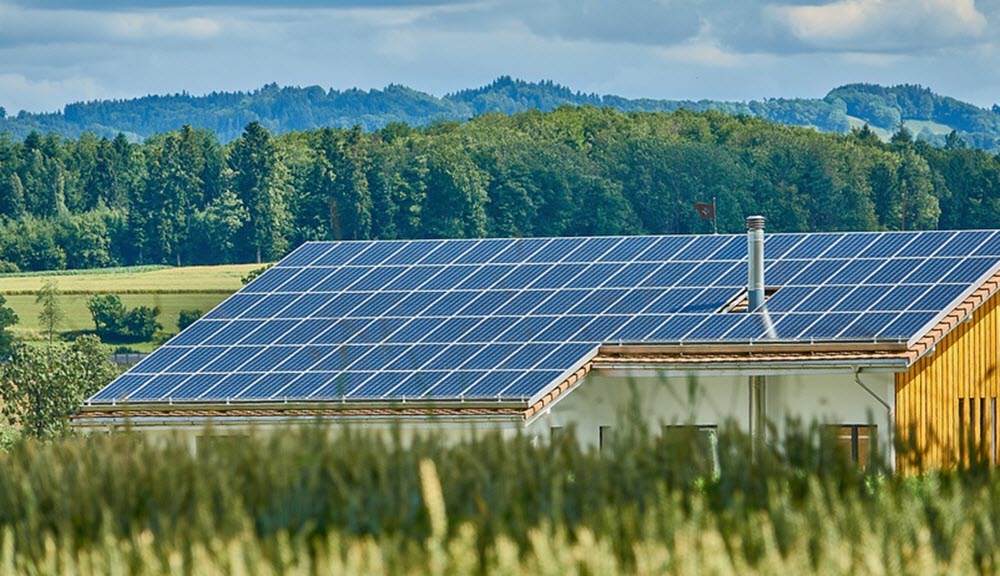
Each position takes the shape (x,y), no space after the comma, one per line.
(870,332)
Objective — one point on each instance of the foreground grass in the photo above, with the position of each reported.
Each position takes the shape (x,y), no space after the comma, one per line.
(320,501)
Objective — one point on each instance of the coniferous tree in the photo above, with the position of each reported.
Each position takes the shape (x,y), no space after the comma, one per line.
(260,179)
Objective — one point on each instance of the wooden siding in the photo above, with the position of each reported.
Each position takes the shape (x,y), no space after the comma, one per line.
(950,394)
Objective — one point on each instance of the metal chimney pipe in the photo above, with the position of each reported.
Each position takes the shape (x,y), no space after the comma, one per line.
(755,252)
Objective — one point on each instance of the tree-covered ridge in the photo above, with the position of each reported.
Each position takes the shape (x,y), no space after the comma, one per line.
(287,109)
(183,198)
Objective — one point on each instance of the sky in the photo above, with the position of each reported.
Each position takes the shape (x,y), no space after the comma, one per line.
(53,52)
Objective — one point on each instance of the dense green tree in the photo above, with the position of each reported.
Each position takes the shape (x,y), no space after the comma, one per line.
(114,323)
(108,313)
(455,205)
(180,197)
(168,200)
(12,197)
(8,318)
(214,230)
(919,206)
(345,163)
(260,179)
(42,388)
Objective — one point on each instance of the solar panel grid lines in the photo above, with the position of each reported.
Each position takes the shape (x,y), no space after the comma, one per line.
(677,282)
(989,247)
(888,262)
(564,258)
(803,301)
(796,326)
(232,385)
(495,281)
(570,337)
(938,249)
(653,331)
(318,362)
(638,281)
(538,305)
(458,318)
(986,240)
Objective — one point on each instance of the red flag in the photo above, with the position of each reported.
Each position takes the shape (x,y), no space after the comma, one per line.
(705,210)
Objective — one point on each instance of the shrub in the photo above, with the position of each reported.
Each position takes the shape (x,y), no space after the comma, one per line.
(113,322)
(251,275)
(187,317)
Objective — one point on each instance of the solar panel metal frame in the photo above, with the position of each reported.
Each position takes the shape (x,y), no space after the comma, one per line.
(539,271)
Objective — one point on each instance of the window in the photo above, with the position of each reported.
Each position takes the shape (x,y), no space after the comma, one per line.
(994,455)
(977,429)
(702,441)
(605,435)
(858,440)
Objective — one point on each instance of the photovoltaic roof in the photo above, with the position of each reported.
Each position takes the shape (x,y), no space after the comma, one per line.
(508,318)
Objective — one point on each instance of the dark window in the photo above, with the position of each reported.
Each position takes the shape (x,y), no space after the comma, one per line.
(977,430)
(858,440)
(606,435)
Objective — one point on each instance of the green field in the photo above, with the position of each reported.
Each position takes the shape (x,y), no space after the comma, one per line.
(223,279)
(169,289)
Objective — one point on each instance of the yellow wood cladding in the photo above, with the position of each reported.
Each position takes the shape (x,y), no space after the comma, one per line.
(951,394)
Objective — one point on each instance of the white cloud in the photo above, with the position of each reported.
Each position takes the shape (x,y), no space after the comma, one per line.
(144,26)
(882,25)
(21,93)
(29,26)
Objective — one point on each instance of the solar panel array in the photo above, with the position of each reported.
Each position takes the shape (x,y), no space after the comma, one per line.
(507,318)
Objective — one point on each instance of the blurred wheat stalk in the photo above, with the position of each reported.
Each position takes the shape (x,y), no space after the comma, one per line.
(321,501)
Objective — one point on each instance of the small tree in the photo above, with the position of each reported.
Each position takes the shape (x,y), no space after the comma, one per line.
(108,313)
(51,315)
(40,395)
(7,319)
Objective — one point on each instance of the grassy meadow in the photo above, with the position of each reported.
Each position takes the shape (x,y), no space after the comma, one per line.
(301,502)
(169,289)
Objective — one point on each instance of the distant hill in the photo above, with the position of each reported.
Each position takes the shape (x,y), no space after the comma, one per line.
(282,109)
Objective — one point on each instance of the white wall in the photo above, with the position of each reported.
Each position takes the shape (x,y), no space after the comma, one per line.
(603,398)
(659,398)
(192,431)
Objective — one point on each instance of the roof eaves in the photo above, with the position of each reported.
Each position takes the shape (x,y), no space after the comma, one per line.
(132,413)
(954,318)
(560,390)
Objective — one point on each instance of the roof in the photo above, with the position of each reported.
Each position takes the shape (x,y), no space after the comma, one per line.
(513,320)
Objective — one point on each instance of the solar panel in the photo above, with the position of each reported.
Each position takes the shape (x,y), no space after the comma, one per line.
(505,318)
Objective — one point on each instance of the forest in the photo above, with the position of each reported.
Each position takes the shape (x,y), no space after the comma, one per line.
(283,109)
(183,197)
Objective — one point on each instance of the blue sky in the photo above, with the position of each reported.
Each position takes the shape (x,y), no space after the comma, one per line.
(58,51)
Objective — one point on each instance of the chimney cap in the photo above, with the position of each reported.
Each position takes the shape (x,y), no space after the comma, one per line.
(755,222)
